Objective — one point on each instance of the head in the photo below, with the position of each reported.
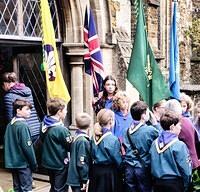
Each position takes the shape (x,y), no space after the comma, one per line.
(170,122)
(22,108)
(159,108)
(174,106)
(121,101)
(186,102)
(109,86)
(83,120)
(139,111)
(57,107)
(8,79)
(105,118)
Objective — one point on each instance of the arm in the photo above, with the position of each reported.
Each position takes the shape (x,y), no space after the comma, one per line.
(66,138)
(8,101)
(114,150)
(83,160)
(184,164)
(27,146)
(97,104)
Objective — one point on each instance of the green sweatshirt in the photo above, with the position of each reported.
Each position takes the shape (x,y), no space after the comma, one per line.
(79,161)
(18,147)
(55,148)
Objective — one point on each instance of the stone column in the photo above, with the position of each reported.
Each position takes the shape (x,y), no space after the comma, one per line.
(75,54)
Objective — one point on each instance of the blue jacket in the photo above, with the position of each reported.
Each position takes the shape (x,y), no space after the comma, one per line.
(19,90)
(122,123)
(142,136)
(106,150)
(170,161)
(101,104)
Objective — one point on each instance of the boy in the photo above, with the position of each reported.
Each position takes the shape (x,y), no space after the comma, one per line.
(138,139)
(56,144)
(170,161)
(19,152)
(80,155)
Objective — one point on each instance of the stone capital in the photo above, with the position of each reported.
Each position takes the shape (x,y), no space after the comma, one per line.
(74,52)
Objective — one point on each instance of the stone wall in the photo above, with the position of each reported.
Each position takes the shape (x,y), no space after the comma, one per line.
(185,22)
(195,36)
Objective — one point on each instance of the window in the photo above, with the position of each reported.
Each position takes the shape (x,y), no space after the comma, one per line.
(21,19)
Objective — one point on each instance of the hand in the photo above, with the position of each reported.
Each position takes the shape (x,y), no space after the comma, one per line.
(94,100)
(84,186)
(152,119)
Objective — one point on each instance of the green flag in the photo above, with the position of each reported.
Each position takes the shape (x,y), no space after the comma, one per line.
(143,70)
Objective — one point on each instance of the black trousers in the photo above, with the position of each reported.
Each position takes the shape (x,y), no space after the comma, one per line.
(22,179)
(58,179)
(166,185)
(77,189)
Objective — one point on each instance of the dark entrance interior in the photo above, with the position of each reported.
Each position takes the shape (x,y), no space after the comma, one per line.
(26,62)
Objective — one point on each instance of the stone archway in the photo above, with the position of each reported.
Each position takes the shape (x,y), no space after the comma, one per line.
(73,11)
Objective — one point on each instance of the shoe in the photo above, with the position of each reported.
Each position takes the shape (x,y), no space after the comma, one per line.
(10,190)
(33,185)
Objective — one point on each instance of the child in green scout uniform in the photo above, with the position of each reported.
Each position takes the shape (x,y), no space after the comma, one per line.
(19,152)
(56,145)
(80,155)
(106,155)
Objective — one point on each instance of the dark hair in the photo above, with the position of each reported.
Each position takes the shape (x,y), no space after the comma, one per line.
(105,94)
(55,104)
(167,119)
(19,104)
(158,104)
(137,109)
(9,77)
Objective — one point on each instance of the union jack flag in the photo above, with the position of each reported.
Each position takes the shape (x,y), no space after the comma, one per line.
(93,58)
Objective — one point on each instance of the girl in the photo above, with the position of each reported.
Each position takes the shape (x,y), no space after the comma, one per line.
(186,104)
(123,117)
(109,90)
(106,155)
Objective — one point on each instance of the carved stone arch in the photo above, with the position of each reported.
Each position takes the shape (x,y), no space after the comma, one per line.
(73,12)
(73,21)
(102,14)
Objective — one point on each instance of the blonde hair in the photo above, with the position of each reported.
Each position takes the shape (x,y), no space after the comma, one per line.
(103,118)
(120,96)
(83,120)
(188,100)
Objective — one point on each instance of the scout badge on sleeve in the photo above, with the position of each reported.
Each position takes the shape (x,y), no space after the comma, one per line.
(82,160)
(29,143)
(69,139)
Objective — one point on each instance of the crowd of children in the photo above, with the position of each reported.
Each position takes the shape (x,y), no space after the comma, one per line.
(130,149)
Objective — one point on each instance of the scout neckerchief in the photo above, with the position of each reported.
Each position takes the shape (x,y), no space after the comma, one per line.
(106,132)
(80,133)
(49,122)
(165,140)
(15,119)
(130,131)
